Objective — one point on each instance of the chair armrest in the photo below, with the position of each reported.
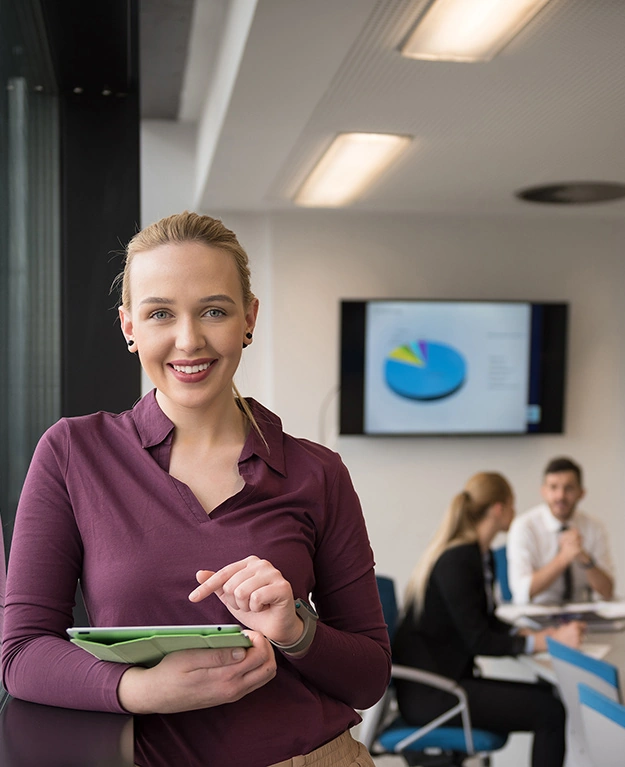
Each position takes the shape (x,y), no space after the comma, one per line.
(442,683)
(373,716)
(428,678)
(372,719)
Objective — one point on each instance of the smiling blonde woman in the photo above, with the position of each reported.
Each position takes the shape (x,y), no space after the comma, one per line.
(195,507)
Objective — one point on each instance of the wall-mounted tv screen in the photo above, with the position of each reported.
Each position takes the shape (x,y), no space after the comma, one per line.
(424,367)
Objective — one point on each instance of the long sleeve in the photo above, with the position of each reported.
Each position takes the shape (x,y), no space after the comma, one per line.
(596,540)
(38,661)
(350,655)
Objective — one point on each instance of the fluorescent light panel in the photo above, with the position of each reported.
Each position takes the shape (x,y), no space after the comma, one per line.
(459,30)
(352,162)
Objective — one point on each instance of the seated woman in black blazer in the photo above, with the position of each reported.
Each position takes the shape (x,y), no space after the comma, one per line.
(450,619)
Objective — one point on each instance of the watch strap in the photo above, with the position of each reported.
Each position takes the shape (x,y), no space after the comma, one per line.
(309,617)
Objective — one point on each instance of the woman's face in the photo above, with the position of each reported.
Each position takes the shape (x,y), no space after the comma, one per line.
(188,322)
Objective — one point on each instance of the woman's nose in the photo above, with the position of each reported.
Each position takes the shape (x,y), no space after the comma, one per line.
(189,336)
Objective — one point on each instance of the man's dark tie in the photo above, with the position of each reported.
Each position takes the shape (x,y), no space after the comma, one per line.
(568,577)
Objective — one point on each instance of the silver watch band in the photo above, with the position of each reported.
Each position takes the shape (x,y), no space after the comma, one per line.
(309,617)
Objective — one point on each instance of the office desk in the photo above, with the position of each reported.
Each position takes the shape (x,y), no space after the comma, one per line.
(540,664)
(44,736)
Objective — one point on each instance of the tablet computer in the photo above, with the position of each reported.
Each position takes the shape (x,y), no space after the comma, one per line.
(147,645)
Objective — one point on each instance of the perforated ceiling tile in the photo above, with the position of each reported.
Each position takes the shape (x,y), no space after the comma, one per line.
(550,106)
(533,114)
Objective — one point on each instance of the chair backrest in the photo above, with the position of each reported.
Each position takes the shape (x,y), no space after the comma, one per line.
(373,717)
(386,589)
(572,667)
(501,573)
(604,727)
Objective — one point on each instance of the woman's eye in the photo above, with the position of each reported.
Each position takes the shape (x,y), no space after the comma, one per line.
(215,313)
(159,314)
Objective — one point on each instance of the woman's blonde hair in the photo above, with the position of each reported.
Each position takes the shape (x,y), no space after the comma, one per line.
(466,510)
(187,227)
(191,227)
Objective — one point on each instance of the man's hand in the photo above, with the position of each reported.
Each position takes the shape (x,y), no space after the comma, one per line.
(571,545)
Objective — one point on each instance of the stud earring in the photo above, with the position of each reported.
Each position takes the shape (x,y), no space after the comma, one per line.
(130,341)
(247,335)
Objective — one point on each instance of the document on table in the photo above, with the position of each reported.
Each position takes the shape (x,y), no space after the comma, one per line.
(537,616)
(597,651)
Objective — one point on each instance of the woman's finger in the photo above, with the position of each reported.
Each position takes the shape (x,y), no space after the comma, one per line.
(215,580)
(230,580)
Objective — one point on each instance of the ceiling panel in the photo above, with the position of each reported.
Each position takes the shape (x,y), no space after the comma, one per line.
(164,33)
(549,108)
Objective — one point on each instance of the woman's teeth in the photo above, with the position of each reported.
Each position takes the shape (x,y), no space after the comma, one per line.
(191,368)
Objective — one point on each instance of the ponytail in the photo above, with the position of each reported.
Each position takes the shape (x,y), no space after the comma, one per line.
(466,509)
(247,412)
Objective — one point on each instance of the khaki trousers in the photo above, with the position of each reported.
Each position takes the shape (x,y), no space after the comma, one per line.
(343,751)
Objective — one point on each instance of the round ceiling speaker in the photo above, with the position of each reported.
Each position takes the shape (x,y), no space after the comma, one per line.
(573,193)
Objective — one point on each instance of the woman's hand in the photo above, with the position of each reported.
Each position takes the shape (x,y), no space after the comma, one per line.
(192,679)
(257,595)
(570,634)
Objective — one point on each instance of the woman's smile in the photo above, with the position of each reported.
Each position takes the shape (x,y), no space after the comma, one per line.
(191,371)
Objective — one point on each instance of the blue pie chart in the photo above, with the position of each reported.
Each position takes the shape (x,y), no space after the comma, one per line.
(425,370)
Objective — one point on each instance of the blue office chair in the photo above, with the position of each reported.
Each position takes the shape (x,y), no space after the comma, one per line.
(501,574)
(384,732)
(604,727)
(572,667)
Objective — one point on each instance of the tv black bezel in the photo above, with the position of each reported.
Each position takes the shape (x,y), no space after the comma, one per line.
(547,372)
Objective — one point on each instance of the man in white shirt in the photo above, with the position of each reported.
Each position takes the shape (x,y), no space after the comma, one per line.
(555,552)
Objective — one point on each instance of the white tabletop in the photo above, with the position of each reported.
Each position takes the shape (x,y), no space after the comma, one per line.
(609,645)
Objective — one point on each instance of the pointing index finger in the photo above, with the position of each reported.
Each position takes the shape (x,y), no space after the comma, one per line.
(211,582)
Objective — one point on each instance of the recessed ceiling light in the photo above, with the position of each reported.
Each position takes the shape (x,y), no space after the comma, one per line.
(573,193)
(352,162)
(459,30)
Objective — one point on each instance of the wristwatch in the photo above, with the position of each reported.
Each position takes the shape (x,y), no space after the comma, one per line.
(310,618)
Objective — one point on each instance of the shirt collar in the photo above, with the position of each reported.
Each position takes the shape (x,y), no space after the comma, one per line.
(551,523)
(153,427)
(270,425)
(152,424)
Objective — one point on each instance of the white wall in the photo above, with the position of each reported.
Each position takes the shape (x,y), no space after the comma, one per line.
(317,258)
(304,262)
